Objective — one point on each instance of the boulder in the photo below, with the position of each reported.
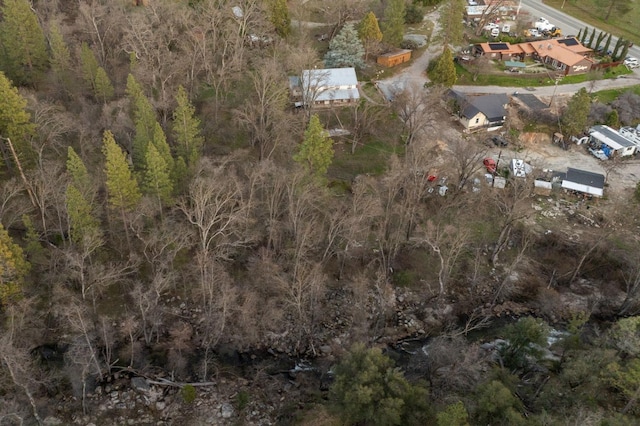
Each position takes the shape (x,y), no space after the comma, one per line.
(140,384)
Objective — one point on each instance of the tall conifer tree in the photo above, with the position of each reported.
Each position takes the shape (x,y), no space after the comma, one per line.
(393,24)
(315,153)
(122,188)
(23,50)
(60,55)
(186,129)
(15,121)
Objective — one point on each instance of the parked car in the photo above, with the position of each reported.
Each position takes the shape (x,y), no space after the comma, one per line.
(532,32)
(499,140)
(506,28)
(490,26)
(631,62)
(495,32)
(490,165)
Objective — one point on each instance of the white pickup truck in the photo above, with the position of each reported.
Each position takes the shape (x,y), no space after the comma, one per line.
(543,24)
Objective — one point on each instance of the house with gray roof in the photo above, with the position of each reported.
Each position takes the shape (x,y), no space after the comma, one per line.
(480,112)
(583,181)
(611,142)
(329,86)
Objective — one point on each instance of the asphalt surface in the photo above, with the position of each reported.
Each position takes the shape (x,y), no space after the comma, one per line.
(414,75)
(568,24)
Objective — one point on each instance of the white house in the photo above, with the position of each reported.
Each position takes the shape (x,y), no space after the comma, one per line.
(327,86)
(584,181)
(611,142)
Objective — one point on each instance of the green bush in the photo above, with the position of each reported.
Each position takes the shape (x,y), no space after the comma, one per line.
(188,393)
(413,14)
(242,400)
(369,390)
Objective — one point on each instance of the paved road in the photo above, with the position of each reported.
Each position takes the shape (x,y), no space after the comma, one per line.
(561,89)
(415,73)
(568,24)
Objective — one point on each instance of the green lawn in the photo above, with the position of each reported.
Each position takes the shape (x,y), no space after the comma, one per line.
(533,80)
(593,12)
(606,96)
(370,157)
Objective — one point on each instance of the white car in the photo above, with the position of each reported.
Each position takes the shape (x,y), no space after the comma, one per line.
(631,62)
(491,26)
(506,28)
(495,32)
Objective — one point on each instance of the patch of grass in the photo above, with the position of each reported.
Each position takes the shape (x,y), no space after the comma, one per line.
(593,12)
(533,80)
(608,96)
(404,278)
(370,157)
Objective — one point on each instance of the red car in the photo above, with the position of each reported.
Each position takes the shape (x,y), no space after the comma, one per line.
(490,164)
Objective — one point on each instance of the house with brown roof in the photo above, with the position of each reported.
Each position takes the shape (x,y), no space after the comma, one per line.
(394,58)
(567,55)
(563,57)
(499,50)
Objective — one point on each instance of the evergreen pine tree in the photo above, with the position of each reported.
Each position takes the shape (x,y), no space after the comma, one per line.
(575,116)
(160,142)
(444,73)
(625,50)
(23,50)
(102,86)
(15,121)
(607,44)
(369,33)
(186,129)
(579,36)
(585,33)
(157,179)
(616,49)
(134,92)
(60,56)
(82,223)
(451,23)
(315,153)
(592,38)
(345,49)
(393,24)
(89,65)
(78,171)
(13,268)
(279,17)
(122,188)
(145,121)
(601,36)
(368,390)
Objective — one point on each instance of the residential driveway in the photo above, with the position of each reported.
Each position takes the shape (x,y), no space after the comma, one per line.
(415,74)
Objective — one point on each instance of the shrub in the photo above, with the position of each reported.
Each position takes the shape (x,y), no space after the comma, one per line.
(413,14)
(188,393)
(409,44)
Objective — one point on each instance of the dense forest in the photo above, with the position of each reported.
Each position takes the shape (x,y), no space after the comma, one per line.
(179,244)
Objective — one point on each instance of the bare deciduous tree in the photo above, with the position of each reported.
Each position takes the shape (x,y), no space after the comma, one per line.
(416,107)
(510,206)
(448,242)
(263,112)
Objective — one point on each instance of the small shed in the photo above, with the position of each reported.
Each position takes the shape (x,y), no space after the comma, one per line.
(391,59)
(584,181)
